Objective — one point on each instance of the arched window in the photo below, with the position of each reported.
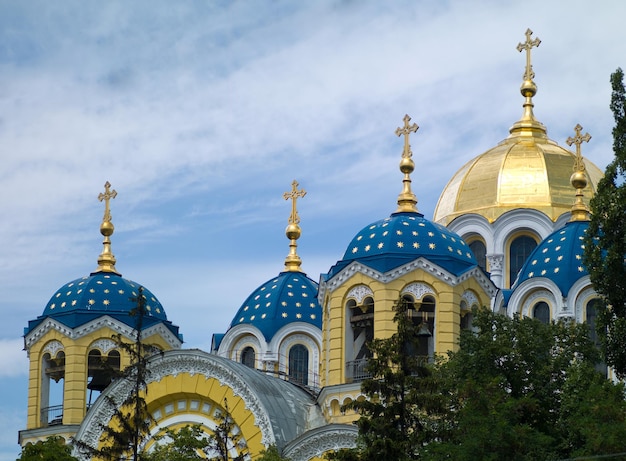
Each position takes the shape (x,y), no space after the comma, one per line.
(248,357)
(590,318)
(466,317)
(541,311)
(100,372)
(519,251)
(53,389)
(480,252)
(299,364)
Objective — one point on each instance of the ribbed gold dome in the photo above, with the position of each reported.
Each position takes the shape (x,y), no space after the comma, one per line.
(526,170)
(520,172)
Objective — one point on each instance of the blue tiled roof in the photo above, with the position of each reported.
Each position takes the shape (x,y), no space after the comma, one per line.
(290,297)
(101,293)
(404,237)
(558,258)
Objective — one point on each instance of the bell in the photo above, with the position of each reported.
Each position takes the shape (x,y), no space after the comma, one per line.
(423,331)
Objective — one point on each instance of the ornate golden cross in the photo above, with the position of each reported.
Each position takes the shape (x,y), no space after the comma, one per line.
(406,131)
(578,140)
(528,45)
(293,195)
(108,195)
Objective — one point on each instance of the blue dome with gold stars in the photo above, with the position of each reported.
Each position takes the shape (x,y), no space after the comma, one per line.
(290,297)
(404,237)
(101,293)
(558,257)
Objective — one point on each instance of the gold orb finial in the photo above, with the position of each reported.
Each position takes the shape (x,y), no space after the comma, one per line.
(407,200)
(106,260)
(293,231)
(528,125)
(580,212)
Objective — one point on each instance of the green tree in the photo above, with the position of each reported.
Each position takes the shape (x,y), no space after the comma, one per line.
(605,242)
(51,449)
(224,438)
(518,389)
(185,444)
(129,427)
(396,418)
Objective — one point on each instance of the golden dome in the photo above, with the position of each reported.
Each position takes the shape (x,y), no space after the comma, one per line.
(526,170)
(520,172)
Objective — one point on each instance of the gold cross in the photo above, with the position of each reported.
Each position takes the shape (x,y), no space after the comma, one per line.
(528,45)
(578,140)
(293,195)
(406,131)
(108,195)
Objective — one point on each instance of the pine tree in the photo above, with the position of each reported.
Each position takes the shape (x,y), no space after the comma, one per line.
(396,418)
(605,242)
(129,427)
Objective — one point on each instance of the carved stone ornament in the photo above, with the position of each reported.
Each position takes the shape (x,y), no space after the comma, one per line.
(496,261)
(317,442)
(470,298)
(104,345)
(418,290)
(53,348)
(173,363)
(359,292)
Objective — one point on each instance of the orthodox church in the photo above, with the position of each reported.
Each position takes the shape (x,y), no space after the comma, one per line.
(506,235)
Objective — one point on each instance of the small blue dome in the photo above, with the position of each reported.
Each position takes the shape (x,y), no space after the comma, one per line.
(290,297)
(558,257)
(403,237)
(101,293)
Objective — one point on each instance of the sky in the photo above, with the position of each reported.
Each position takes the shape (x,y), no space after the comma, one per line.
(202,113)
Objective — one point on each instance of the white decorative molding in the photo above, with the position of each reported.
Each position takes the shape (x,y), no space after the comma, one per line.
(496,261)
(359,292)
(471,299)
(50,324)
(104,345)
(173,364)
(418,290)
(315,443)
(534,298)
(53,348)
(582,299)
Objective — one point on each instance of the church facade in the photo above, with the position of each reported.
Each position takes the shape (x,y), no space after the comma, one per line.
(506,235)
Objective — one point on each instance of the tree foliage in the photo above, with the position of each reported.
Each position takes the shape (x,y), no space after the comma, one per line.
(129,427)
(395,420)
(605,242)
(516,389)
(184,444)
(51,449)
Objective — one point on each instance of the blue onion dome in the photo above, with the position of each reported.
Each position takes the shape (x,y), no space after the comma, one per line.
(103,292)
(558,257)
(406,235)
(290,297)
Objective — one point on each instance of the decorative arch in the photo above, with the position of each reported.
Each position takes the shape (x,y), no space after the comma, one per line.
(316,442)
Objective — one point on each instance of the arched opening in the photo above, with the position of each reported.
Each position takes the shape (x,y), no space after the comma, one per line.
(248,357)
(299,364)
(361,317)
(480,252)
(466,316)
(52,389)
(541,311)
(520,249)
(590,318)
(101,370)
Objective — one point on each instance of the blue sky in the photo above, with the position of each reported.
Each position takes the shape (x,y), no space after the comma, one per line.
(202,113)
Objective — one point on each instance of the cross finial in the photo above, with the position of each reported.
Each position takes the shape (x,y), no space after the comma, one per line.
(406,130)
(106,260)
(578,139)
(580,212)
(293,231)
(293,195)
(528,45)
(107,196)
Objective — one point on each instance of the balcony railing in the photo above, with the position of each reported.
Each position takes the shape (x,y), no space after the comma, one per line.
(355,371)
(52,416)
